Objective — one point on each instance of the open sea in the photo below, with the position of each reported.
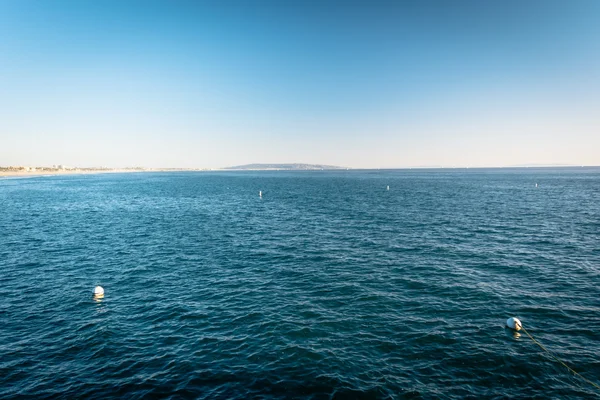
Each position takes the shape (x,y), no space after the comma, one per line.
(329,286)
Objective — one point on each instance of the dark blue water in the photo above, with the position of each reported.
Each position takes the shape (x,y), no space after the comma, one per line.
(328,286)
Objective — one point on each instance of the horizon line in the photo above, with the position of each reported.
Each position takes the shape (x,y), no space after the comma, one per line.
(271,166)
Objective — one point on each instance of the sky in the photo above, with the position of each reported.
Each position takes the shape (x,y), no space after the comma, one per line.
(373,84)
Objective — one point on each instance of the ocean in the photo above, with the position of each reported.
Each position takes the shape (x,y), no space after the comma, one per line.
(330,285)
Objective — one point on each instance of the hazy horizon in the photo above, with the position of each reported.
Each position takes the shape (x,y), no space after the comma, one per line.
(286,166)
(360,85)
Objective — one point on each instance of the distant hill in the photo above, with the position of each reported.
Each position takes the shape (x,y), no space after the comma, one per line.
(284,167)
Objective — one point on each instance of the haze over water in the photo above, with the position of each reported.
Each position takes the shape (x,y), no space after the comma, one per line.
(328,286)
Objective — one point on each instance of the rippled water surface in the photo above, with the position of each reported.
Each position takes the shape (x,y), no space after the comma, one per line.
(329,286)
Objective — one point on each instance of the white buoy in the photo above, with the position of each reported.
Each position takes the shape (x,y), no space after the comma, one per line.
(388,188)
(98,291)
(514,323)
(536,185)
(260,193)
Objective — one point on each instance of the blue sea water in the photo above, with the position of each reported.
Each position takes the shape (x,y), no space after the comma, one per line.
(329,286)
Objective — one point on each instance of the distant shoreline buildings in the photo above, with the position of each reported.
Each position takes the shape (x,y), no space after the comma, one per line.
(63,168)
(54,168)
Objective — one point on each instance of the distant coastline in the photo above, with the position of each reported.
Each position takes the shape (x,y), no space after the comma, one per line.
(45,171)
(284,167)
(24,172)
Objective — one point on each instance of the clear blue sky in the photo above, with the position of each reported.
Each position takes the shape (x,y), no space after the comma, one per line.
(358,84)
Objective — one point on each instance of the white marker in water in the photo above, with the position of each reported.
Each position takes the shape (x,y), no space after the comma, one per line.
(536,185)
(98,292)
(388,188)
(514,323)
(260,194)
